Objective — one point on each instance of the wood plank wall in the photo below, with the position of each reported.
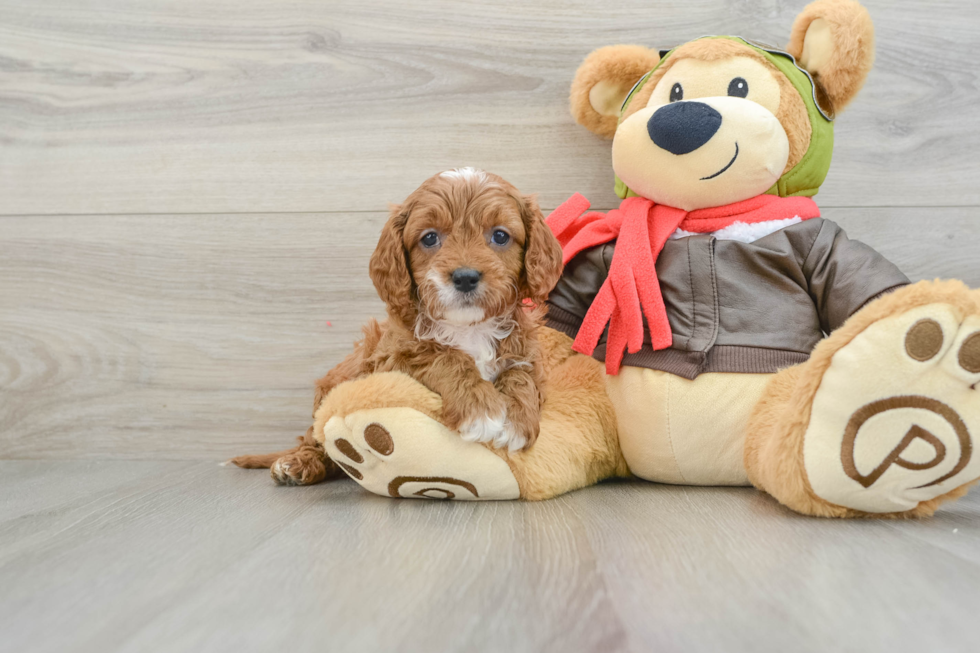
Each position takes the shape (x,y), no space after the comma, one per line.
(190,190)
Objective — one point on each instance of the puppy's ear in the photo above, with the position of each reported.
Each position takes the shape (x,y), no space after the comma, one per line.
(835,41)
(542,253)
(603,81)
(389,268)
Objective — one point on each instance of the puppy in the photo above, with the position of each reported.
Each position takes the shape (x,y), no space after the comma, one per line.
(455,264)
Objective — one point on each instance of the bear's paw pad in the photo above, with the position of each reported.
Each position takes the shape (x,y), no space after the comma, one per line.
(897,412)
(400,452)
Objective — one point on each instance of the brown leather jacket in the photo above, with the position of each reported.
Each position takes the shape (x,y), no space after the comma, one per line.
(740,307)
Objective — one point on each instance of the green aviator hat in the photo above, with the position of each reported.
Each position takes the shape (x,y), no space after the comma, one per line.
(803,179)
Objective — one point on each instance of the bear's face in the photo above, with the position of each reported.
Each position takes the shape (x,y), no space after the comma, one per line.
(720,120)
(715,124)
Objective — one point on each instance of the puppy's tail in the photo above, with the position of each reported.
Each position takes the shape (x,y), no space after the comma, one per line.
(259,461)
(264,460)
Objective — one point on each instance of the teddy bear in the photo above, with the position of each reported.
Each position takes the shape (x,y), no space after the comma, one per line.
(715,329)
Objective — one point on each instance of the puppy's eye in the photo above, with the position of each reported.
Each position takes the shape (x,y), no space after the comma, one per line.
(500,237)
(429,239)
(676,92)
(738,87)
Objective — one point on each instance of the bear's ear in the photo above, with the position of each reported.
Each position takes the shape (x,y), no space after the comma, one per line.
(603,81)
(835,41)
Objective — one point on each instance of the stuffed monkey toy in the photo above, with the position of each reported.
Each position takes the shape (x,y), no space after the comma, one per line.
(715,329)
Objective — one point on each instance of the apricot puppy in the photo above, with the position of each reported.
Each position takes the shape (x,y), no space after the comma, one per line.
(455,264)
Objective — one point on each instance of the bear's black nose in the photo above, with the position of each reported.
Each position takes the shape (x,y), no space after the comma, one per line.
(682,127)
(466,279)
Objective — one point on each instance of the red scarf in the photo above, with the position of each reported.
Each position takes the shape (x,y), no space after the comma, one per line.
(640,229)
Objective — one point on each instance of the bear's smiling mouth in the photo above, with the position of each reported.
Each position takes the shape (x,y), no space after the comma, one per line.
(726,167)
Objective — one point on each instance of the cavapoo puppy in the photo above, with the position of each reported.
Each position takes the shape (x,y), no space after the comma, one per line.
(455,265)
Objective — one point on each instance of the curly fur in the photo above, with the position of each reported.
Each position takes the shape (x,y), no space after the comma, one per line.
(477,350)
(579,445)
(478,340)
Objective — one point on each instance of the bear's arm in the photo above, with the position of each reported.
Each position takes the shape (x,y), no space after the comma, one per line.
(579,284)
(844,275)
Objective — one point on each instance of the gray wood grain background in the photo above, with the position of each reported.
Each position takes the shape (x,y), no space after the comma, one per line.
(189,191)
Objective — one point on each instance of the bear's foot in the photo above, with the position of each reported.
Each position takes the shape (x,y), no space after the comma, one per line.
(896,417)
(401,452)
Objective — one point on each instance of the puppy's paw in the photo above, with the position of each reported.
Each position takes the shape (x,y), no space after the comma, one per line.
(511,438)
(522,427)
(488,428)
(280,472)
(500,432)
(480,416)
(305,466)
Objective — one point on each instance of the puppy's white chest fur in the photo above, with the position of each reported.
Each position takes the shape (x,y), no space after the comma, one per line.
(480,344)
(479,340)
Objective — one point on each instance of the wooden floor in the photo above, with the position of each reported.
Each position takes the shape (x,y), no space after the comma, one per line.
(183,556)
(189,193)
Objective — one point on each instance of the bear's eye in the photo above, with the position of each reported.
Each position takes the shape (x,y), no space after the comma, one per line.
(676,92)
(738,87)
(430,239)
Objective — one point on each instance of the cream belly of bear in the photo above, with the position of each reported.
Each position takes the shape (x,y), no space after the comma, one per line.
(684,432)
(689,432)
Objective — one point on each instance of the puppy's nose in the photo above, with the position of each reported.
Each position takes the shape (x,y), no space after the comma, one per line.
(682,127)
(466,279)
